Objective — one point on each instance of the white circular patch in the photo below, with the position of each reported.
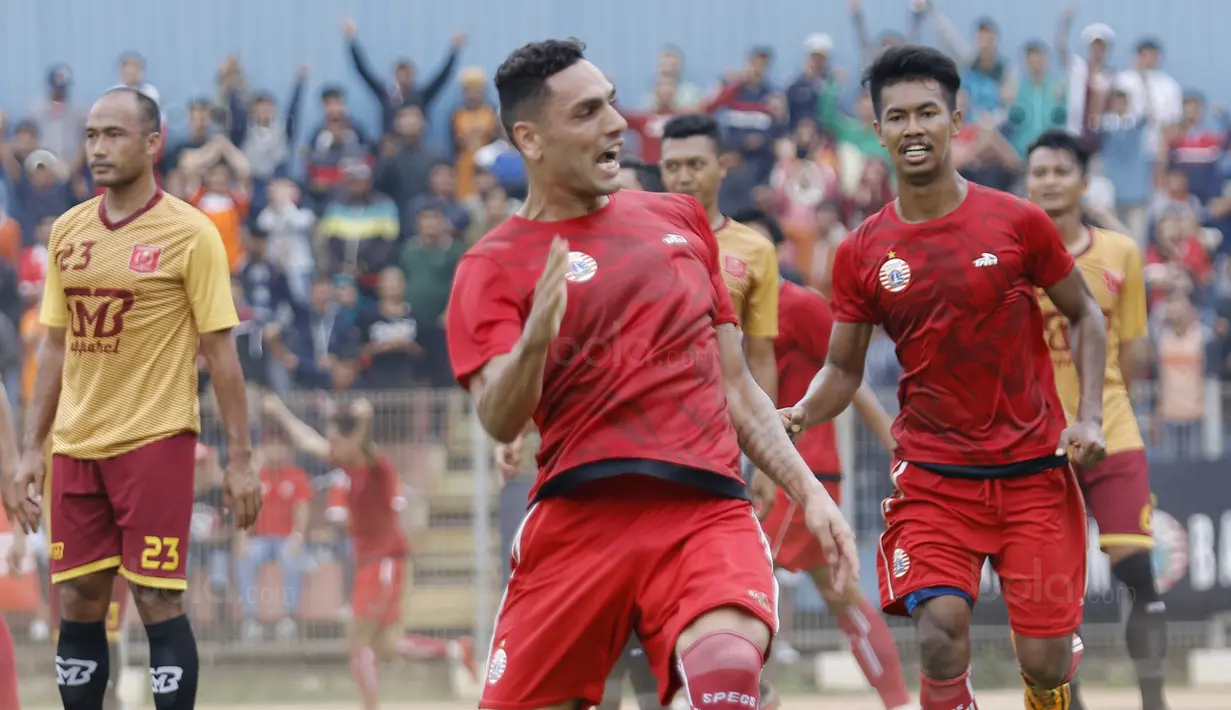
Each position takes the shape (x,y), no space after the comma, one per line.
(581,267)
(496,666)
(901,563)
(1170,550)
(895,275)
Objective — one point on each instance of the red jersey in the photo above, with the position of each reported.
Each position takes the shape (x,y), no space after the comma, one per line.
(804,324)
(283,489)
(373,501)
(956,295)
(633,383)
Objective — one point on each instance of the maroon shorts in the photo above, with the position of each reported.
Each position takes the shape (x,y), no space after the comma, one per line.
(619,555)
(378,590)
(940,530)
(1117,491)
(794,546)
(130,511)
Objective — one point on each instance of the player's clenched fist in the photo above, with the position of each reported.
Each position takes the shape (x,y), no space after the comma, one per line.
(241,487)
(792,420)
(1086,440)
(550,296)
(826,522)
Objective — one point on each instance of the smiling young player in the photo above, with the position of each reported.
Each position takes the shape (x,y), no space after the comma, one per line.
(1117,490)
(949,270)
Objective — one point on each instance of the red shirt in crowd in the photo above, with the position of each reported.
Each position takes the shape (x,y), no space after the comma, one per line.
(284,488)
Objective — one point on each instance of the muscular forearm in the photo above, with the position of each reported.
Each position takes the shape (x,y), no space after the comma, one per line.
(46,398)
(511,393)
(766,443)
(829,394)
(1090,347)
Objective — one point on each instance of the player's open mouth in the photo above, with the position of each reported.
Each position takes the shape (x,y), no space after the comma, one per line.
(609,161)
(916,154)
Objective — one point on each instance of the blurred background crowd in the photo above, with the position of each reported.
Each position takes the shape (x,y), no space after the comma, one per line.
(346,200)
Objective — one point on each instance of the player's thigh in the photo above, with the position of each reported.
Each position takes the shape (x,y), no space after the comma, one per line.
(938,533)
(151,490)
(1042,560)
(377,594)
(566,613)
(83,535)
(1117,495)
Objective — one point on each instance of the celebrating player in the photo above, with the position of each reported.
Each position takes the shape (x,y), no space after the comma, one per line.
(949,270)
(643,400)
(140,282)
(804,325)
(373,500)
(1118,489)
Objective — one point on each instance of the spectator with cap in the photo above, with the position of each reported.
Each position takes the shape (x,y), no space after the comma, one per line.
(819,81)
(1039,101)
(1090,77)
(473,126)
(43,192)
(986,76)
(337,139)
(358,232)
(132,75)
(403,90)
(60,122)
(1152,92)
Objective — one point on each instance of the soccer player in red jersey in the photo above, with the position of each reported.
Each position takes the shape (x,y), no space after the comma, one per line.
(604,318)
(373,503)
(949,270)
(804,324)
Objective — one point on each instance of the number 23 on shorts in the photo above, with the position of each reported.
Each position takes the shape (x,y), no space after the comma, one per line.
(161,553)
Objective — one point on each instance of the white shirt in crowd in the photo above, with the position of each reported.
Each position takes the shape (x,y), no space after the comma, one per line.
(1155,94)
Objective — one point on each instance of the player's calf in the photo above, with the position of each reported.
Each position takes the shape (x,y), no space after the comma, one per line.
(83,662)
(1145,633)
(942,622)
(174,665)
(719,659)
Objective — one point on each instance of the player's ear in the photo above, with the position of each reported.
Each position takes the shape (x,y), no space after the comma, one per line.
(528,139)
(956,124)
(876,126)
(153,143)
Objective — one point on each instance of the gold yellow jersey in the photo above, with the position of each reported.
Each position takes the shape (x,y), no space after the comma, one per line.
(1111,266)
(750,268)
(133,297)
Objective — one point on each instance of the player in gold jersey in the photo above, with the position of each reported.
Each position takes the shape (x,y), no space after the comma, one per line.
(1117,490)
(139,282)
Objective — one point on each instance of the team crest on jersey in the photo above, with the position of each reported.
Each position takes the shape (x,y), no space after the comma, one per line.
(895,274)
(581,267)
(1113,281)
(497,665)
(144,259)
(901,563)
(735,266)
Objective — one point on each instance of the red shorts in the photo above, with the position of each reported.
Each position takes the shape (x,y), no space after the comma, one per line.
(115,612)
(378,590)
(1117,491)
(795,548)
(619,555)
(939,531)
(130,511)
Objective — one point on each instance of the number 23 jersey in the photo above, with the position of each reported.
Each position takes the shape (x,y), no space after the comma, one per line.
(133,297)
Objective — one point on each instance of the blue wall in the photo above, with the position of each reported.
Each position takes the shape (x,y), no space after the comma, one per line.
(183,41)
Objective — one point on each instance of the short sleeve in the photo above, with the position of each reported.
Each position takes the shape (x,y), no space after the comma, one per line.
(484,317)
(851,301)
(724,309)
(1133,319)
(761,310)
(1047,260)
(54,312)
(207,279)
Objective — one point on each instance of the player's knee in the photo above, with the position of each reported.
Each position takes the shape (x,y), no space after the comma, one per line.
(721,668)
(1046,662)
(157,605)
(86,598)
(943,625)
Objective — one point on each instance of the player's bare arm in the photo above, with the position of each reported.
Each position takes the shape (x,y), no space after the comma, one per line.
(1089,342)
(874,416)
(763,364)
(40,416)
(834,387)
(241,484)
(302,436)
(507,390)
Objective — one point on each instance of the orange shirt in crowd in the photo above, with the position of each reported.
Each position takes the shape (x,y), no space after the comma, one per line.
(284,488)
(10,239)
(227,210)
(32,332)
(472,129)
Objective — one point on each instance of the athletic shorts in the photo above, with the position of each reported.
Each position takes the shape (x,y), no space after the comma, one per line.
(940,530)
(130,512)
(377,595)
(115,611)
(1117,492)
(619,555)
(795,548)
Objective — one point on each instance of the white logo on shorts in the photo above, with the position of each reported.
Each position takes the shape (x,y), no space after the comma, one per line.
(74,671)
(495,667)
(901,563)
(165,679)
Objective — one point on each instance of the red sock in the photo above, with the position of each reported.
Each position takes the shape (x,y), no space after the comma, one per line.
(421,648)
(953,694)
(8,669)
(721,668)
(366,672)
(877,654)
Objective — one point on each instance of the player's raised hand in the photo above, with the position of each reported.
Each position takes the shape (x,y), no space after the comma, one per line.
(550,296)
(241,488)
(23,491)
(1086,441)
(826,522)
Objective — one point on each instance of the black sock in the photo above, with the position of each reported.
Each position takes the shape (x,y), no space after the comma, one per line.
(174,667)
(1146,631)
(83,664)
(1075,700)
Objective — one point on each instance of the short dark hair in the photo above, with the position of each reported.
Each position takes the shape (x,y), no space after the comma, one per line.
(345,422)
(331,93)
(754,215)
(1062,140)
(688,125)
(1148,43)
(147,109)
(1035,45)
(521,80)
(912,62)
(648,175)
